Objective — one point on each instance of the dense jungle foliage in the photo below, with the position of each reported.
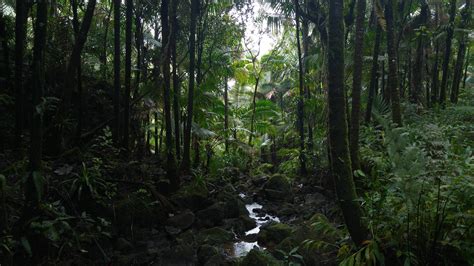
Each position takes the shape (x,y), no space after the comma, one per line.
(236,132)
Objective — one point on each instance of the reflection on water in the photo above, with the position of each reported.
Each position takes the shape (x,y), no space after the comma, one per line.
(241,248)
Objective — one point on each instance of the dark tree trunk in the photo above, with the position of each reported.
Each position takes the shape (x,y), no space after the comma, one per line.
(6,72)
(392,85)
(447,53)
(305,40)
(189,118)
(117,51)
(300,122)
(226,114)
(176,84)
(385,92)
(165,34)
(157,151)
(103,55)
(128,74)
(357,83)
(20,34)
(32,193)
(338,132)
(75,24)
(374,73)
(463,42)
(254,106)
(435,77)
(418,70)
(465,69)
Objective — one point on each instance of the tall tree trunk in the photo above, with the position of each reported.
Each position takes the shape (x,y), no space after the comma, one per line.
(75,23)
(226,114)
(465,69)
(103,55)
(189,118)
(300,123)
(435,77)
(357,83)
(458,69)
(128,74)
(176,84)
(20,34)
(254,106)
(32,192)
(5,52)
(447,53)
(419,67)
(165,34)
(392,85)
(374,73)
(338,132)
(305,40)
(117,51)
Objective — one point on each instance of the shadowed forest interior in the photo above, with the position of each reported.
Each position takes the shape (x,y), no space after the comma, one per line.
(236,132)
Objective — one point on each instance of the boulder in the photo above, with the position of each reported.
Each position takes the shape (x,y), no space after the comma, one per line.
(182,221)
(273,233)
(193,196)
(205,252)
(215,236)
(260,258)
(277,187)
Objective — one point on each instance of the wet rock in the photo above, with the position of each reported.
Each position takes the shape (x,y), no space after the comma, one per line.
(215,236)
(273,233)
(205,252)
(260,258)
(179,255)
(314,199)
(193,196)
(212,215)
(277,187)
(182,221)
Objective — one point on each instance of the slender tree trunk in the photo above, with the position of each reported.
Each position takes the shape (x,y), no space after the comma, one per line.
(32,192)
(5,52)
(165,34)
(103,56)
(226,114)
(447,53)
(157,151)
(176,84)
(385,92)
(338,132)
(254,106)
(435,77)
(357,83)
(20,34)
(466,66)
(458,69)
(419,67)
(305,39)
(392,65)
(374,73)
(300,123)
(128,75)
(189,118)
(117,52)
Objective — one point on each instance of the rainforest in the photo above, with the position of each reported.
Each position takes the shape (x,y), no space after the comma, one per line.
(236,132)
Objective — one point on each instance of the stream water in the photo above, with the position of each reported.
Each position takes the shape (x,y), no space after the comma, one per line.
(241,248)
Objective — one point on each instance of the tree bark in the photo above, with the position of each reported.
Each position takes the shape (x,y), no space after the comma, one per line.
(418,68)
(117,51)
(392,83)
(165,35)
(447,53)
(176,83)
(226,114)
(374,73)
(20,34)
(357,83)
(32,194)
(128,75)
(300,107)
(338,132)
(189,118)
(463,42)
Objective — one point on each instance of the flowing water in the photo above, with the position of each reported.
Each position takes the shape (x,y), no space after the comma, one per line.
(241,248)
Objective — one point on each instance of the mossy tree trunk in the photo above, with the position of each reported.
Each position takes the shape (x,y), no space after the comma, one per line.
(338,132)
(463,42)
(447,53)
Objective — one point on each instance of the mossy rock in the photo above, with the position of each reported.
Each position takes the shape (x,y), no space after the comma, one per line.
(193,196)
(277,187)
(259,258)
(273,233)
(137,210)
(215,236)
